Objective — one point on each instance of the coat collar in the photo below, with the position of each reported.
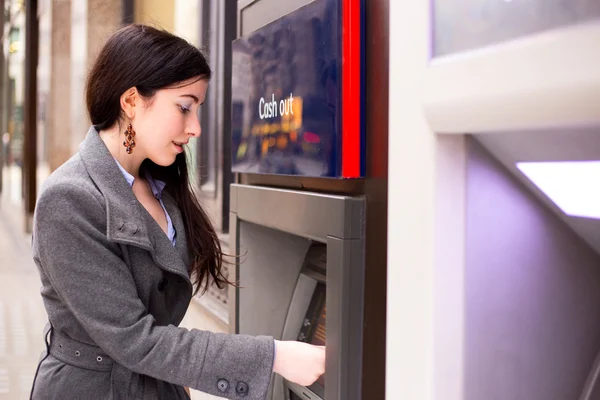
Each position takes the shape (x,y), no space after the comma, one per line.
(127,221)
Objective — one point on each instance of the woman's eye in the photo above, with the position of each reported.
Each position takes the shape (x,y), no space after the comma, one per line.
(184,109)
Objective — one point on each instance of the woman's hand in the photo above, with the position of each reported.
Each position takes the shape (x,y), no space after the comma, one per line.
(298,362)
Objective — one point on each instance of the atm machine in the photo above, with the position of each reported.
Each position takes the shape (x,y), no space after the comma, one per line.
(304,195)
(301,278)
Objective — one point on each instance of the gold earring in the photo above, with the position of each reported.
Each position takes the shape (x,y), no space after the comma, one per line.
(129,142)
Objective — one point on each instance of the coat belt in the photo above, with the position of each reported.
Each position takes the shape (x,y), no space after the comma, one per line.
(79,354)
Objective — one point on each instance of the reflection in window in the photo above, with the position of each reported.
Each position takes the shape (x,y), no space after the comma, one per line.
(460,25)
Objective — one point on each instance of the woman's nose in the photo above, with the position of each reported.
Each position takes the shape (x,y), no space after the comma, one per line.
(194,128)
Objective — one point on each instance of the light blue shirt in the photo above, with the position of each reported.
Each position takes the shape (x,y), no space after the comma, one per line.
(157,189)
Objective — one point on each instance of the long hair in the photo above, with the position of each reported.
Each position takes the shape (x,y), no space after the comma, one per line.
(151,59)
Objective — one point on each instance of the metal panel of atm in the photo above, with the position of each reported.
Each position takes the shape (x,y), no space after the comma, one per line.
(301,277)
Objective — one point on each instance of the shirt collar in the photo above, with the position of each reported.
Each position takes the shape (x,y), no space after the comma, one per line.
(128,177)
(156,185)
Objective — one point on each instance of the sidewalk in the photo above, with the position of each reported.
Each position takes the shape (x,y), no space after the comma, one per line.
(23,317)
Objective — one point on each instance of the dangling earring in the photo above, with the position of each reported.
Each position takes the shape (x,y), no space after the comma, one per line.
(129,142)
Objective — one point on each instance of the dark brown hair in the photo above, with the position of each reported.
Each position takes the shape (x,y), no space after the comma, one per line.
(151,59)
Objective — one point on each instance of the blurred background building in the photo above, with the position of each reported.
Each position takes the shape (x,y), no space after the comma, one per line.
(69,35)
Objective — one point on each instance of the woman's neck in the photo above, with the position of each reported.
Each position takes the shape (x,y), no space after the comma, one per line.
(113,139)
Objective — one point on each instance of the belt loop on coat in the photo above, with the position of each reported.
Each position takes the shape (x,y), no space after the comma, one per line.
(79,354)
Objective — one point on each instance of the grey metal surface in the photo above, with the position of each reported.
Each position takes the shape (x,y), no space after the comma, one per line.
(344,320)
(271,231)
(311,215)
(303,293)
(233,200)
(255,14)
(301,391)
(269,268)
(233,273)
(345,276)
(299,306)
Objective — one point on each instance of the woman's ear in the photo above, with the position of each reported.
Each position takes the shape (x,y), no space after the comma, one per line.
(129,99)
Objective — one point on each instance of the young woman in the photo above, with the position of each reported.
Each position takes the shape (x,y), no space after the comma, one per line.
(121,244)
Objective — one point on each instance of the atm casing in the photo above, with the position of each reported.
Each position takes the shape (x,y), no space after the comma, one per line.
(272,231)
(279,221)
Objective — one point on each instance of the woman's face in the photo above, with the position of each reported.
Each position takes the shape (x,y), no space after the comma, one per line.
(167,121)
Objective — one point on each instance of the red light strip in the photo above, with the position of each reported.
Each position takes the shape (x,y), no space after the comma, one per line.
(351,88)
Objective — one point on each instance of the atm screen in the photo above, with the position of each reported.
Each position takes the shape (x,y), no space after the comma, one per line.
(313,327)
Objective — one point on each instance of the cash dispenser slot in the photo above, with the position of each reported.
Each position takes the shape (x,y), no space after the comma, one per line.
(306,319)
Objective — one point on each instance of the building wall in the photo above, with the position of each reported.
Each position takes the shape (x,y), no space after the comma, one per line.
(158,13)
(59,101)
(43,78)
(92,23)
(79,28)
(414,151)
(489,295)
(187,20)
(104,19)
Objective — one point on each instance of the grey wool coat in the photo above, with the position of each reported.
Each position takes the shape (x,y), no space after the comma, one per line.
(115,290)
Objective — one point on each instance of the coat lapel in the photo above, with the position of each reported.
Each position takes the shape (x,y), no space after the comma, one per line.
(164,252)
(181,244)
(127,221)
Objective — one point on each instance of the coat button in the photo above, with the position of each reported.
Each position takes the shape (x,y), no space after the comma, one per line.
(162,284)
(223,385)
(242,388)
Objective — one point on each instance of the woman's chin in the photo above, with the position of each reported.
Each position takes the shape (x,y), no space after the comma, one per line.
(164,160)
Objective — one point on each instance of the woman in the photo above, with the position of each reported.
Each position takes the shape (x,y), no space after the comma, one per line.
(119,238)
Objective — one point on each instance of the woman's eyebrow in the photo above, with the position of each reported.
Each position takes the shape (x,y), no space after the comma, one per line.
(190,95)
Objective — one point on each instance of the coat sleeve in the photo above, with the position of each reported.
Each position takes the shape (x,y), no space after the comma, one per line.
(98,288)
